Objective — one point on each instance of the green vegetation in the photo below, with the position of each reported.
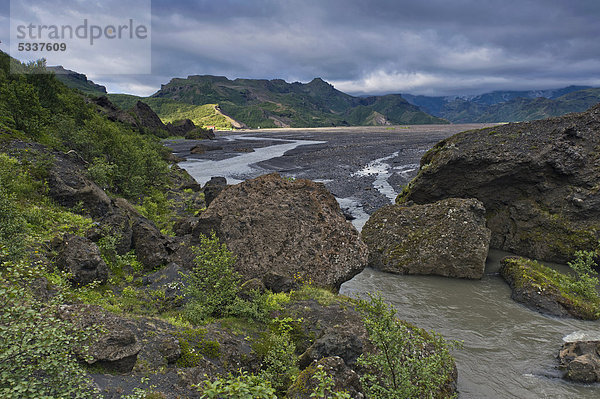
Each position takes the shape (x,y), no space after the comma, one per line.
(36,358)
(171,111)
(324,388)
(577,293)
(408,362)
(37,107)
(213,283)
(275,103)
(243,386)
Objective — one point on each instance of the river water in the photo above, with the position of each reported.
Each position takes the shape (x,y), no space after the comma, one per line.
(508,350)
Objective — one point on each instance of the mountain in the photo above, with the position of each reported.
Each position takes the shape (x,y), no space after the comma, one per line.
(509,106)
(77,81)
(169,111)
(276,103)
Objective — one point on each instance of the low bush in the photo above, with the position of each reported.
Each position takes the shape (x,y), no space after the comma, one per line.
(408,362)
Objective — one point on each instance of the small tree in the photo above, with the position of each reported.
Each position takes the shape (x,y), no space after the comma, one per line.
(586,277)
(213,283)
(407,362)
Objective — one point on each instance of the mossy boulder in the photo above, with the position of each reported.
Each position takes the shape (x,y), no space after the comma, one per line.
(294,229)
(539,182)
(447,238)
(546,290)
(344,379)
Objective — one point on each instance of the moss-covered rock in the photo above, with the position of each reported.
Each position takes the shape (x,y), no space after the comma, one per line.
(545,290)
(446,238)
(537,180)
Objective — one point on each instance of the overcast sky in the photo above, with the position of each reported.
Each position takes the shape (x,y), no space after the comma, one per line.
(433,47)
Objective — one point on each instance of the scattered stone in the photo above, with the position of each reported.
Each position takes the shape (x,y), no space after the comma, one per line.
(581,361)
(202,148)
(446,238)
(291,228)
(81,258)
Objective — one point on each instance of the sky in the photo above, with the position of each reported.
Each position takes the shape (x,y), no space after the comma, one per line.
(429,47)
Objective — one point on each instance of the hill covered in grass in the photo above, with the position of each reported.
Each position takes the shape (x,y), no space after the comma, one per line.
(276,103)
(170,111)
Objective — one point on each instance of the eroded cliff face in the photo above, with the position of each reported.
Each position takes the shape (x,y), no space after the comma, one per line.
(539,182)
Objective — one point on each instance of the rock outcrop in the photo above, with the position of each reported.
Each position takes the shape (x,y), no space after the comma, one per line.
(213,187)
(293,229)
(542,289)
(116,348)
(581,361)
(81,258)
(539,182)
(446,238)
(186,128)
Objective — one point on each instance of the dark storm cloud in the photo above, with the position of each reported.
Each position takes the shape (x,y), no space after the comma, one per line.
(379,46)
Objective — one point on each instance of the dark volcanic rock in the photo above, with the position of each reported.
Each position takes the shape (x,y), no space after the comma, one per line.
(581,361)
(290,228)
(116,348)
(447,238)
(150,244)
(81,258)
(189,130)
(531,287)
(146,118)
(213,187)
(202,148)
(69,186)
(537,180)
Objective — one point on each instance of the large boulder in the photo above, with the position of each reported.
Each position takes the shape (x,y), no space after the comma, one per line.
(581,361)
(116,348)
(69,186)
(81,258)
(537,180)
(447,238)
(213,188)
(293,229)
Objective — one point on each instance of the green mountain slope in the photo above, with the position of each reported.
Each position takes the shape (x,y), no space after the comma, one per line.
(276,103)
(170,111)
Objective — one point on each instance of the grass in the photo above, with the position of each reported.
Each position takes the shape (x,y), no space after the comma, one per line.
(530,274)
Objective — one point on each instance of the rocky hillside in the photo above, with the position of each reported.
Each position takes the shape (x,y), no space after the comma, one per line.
(111,287)
(77,81)
(276,103)
(539,182)
(509,106)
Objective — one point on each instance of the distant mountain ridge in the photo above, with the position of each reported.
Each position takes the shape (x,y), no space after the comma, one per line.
(508,106)
(276,103)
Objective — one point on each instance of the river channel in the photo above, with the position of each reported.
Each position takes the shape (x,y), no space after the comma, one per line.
(508,350)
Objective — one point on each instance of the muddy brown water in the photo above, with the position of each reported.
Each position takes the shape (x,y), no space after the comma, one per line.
(508,350)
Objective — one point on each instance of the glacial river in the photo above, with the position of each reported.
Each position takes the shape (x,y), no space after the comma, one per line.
(509,351)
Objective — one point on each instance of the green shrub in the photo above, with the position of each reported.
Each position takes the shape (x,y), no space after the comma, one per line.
(407,362)
(213,283)
(36,359)
(586,281)
(324,388)
(12,228)
(244,386)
